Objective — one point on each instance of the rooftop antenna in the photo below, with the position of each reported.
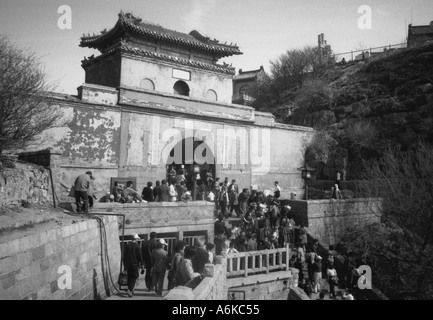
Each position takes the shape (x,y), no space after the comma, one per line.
(410,15)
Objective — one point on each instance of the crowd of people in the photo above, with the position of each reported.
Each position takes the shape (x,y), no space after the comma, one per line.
(184,267)
(178,186)
(263,224)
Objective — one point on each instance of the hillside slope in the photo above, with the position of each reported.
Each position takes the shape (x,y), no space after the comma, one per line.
(389,98)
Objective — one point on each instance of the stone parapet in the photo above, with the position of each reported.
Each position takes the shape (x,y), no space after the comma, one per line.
(327,219)
(212,287)
(164,217)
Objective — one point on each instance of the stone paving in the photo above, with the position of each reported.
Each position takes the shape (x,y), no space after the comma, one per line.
(140,293)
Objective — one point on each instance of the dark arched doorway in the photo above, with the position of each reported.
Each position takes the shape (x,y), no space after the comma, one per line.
(205,164)
(181,88)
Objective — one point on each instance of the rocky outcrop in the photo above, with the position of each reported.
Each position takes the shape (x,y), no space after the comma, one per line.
(24,182)
(392,93)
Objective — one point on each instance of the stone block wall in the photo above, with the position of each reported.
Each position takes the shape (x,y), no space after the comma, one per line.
(327,219)
(25,182)
(213,287)
(275,290)
(164,217)
(270,286)
(29,266)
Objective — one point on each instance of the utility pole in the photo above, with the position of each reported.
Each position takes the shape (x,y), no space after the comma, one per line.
(320,40)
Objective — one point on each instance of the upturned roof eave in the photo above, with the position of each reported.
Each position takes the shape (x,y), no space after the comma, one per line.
(122,26)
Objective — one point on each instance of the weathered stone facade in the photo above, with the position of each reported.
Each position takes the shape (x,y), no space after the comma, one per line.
(176,218)
(27,182)
(150,90)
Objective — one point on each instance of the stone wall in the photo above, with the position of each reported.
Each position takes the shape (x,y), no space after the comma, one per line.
(327,219)
(270,286)
(25,182)
(133,71)
(130,139)
(216,286)
(164,217)
(29,266)
(212,287)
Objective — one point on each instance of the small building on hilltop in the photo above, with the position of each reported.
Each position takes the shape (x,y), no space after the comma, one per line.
(245,85)
(418,35)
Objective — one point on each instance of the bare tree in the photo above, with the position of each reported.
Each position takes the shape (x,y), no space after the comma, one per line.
(403,243)
(289,70)
(322,146)
(24,109)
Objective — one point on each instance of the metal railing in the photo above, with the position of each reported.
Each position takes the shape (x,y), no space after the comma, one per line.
(371,51)
(252,262)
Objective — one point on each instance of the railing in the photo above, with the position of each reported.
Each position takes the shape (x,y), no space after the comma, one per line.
(371,51)
(236,295)
(245,97)
(251,262)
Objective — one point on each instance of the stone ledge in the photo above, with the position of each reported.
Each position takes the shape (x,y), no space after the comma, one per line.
(254,279)
(180,293)
(115,205)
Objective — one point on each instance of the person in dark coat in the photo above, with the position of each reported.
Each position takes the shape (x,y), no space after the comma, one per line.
(132,261)
(157,192)
(81,185)
(233,193)
(165,191)
(147,193)
(159,265)
(300,266)
(224,201)
(146,250)
(201,257)
(243,202)
(302,236)
(181,190)
(220,231)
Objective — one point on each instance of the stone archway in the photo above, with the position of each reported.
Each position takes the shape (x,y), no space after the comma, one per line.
(188,160)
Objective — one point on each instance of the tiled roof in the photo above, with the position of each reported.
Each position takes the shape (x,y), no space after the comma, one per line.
(421,29)
(247,75)
(127,22)
(123,47)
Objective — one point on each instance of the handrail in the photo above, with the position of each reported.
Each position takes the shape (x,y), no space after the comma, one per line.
(250,262)
(369,49)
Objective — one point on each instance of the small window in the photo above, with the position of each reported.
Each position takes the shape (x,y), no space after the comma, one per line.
(181,88)
(147,84)
(244,89)
(211,95)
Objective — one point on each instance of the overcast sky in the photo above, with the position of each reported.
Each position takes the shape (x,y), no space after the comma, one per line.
(263,29)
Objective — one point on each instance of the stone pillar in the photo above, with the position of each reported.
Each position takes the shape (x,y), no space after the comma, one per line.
(209,270)
(55,167)
(218,259)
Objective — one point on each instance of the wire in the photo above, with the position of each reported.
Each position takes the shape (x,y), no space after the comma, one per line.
(107,290)
(107,260)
